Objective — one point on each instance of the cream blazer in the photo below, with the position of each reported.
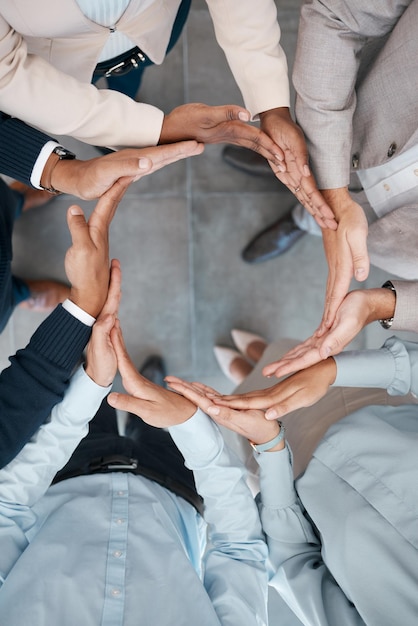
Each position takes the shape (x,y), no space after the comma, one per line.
(49,49)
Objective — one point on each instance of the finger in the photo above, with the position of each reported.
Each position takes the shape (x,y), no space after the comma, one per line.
(170,153)
(106,206)
(260,401)
(290,366)
(200,386)
(111,306)
(125,402)
(194,395)
(285,406)
(337,293)
(360,256)
(77,225)
(131,378)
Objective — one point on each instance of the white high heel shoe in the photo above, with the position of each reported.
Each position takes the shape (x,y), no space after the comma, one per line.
(224,357)
(242,339)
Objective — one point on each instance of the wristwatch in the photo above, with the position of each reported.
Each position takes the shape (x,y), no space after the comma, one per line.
(61,154)
(387,323)
(263,447)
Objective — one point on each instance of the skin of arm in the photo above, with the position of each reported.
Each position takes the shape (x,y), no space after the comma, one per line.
(359,308)
(92,178)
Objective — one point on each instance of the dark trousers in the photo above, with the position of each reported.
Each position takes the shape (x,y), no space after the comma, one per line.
(153,448)
(130,83)
(12,289)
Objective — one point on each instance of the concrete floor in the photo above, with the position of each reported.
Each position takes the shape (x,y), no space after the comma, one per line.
(179,234)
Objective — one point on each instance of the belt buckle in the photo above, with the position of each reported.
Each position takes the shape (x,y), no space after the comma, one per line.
(128,64)
(114,462)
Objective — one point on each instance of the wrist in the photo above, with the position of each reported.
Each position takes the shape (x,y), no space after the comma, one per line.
(271,443)
(49,180)
(88,302)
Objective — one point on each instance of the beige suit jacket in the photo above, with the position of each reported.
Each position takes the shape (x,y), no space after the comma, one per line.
(49,49)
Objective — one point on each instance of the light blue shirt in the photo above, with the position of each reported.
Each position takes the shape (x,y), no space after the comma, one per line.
(357,563)
(118,549)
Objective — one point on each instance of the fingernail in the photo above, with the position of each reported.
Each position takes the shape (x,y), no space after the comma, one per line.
(213,410)
(243,116)
(143,163)
(360,273)
(279,157)
(327,351)
(306,171)
(76,210)
(271,414)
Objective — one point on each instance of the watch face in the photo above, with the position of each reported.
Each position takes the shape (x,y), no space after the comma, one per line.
(63,153)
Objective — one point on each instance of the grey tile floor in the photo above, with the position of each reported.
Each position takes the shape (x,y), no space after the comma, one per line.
(179,234)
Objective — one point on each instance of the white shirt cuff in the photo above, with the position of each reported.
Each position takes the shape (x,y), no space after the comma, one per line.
(40,163)
(78,313)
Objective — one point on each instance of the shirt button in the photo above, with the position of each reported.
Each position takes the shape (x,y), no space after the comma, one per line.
(416,172)
(392,149)
(386,187)
(120,520)
(117,553)
(115,593)
(120,493)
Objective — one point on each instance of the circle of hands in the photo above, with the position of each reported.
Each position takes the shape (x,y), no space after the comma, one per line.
(344,226)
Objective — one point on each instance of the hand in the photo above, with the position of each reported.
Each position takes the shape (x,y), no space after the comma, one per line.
(101,364)
(220,124)
(345,250)
(87,261)
(358,309)
(91,179)
(250,424)
(300,390)
(153,404)
(278,125)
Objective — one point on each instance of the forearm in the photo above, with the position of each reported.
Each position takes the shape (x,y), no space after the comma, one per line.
(99,117)
(37,379)
(394,367)
(405,312)
(250,40)
(300,575)
(235,574)
(20,146)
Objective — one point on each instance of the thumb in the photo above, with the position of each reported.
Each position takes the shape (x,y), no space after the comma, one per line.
(124,402)
(131,378)
(130,167)
(235,112)
(77,225)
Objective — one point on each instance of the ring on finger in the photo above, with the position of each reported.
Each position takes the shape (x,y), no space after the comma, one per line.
(297,189)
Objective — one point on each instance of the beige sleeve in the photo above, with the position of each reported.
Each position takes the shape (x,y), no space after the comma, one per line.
(39,94)
(406,310)
(249,35)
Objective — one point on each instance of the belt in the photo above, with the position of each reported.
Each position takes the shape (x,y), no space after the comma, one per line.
(122,64)
(120,463)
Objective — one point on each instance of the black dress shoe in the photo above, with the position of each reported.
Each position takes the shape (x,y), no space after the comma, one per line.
(273,241)
(154,369)
(247,161)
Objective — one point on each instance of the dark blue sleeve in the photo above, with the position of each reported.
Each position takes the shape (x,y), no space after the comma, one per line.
(20,146)
(37,379)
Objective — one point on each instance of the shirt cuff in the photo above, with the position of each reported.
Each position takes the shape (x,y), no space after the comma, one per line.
(370,368)
(78,313)
(40,163)
(198,439)
(276,479)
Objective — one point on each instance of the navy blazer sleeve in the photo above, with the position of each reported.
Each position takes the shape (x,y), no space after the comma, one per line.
(37,379)
(20,146)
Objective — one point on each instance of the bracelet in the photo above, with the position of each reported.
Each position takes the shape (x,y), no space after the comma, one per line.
(387,323)
(263,447)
